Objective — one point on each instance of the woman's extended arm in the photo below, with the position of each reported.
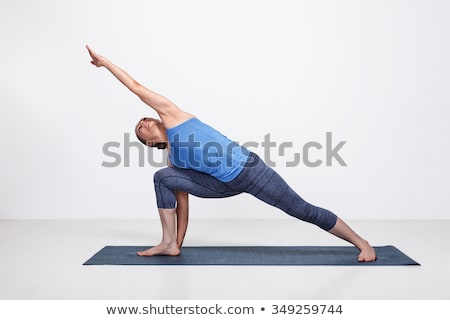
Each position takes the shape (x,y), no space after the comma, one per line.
(160,104)
(182,215)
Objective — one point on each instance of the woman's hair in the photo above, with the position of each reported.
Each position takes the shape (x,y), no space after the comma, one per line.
(157,145)
(151,144)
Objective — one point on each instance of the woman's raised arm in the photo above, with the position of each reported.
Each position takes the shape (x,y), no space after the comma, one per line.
(163,106)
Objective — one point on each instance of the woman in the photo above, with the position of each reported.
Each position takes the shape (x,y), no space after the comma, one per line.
(205,163)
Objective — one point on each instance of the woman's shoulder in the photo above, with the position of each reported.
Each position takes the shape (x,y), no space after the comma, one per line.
(177,119)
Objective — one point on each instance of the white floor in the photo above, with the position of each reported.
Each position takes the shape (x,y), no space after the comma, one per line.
(43,260)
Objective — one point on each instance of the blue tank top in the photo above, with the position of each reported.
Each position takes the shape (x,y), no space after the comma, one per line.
(197,146)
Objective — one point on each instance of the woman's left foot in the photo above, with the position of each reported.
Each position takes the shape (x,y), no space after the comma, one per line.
(367,253)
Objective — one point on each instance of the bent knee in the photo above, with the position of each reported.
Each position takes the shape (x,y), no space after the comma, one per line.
(160,174)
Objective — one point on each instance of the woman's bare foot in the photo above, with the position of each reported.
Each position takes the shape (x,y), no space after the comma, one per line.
(343,231)
(164,249)
(367,253)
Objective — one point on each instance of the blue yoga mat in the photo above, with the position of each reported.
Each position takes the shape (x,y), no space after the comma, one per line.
(253,255)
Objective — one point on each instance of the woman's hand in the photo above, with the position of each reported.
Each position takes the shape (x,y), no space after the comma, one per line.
(97,60)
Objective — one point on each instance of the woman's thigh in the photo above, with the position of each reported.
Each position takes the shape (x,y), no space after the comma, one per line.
(193,182)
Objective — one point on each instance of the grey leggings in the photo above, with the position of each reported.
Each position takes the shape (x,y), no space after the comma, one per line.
(256,178)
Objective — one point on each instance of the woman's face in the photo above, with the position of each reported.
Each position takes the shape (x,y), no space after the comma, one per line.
(151,130)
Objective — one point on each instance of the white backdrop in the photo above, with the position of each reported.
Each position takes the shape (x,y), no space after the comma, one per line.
(375,74)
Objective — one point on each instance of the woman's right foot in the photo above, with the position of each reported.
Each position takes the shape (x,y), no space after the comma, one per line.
(163,249)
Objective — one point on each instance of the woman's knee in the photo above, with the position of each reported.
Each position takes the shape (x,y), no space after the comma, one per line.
(160,175)
(165,195)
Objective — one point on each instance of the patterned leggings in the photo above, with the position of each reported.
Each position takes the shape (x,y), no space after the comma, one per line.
(256,178)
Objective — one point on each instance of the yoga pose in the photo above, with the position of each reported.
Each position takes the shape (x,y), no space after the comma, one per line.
(205,163)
